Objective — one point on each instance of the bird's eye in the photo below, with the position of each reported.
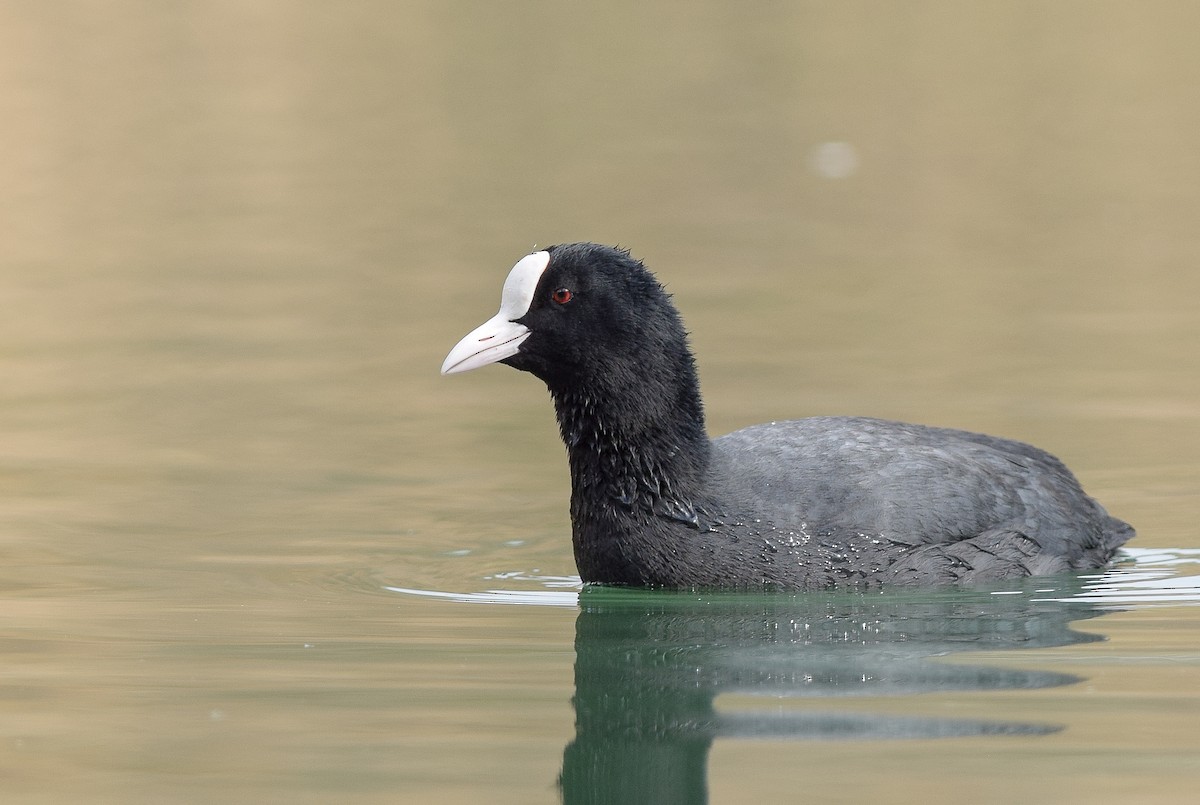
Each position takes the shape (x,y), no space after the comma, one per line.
(562,296)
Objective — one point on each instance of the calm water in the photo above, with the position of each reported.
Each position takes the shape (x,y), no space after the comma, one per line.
(254,549)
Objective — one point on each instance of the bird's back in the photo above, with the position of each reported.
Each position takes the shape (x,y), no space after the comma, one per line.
(913,485)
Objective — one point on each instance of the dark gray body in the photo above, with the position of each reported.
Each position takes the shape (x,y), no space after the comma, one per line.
(849,502)
(915,504)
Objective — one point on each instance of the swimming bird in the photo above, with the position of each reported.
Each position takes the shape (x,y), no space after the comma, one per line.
(814,503)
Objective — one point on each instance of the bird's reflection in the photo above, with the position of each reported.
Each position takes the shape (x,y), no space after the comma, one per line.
(649,665)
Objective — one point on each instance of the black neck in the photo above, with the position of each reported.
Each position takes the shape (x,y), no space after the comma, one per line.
(637,445)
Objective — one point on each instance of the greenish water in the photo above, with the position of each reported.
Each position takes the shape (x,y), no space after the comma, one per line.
(254,549)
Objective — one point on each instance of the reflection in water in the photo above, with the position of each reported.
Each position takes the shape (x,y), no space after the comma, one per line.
(649,666)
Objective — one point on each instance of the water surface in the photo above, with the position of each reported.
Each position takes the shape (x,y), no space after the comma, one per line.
(254,549)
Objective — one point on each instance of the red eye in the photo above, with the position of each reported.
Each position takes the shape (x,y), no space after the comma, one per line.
(562,296)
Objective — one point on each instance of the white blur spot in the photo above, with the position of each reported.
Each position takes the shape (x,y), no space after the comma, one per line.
(834,160)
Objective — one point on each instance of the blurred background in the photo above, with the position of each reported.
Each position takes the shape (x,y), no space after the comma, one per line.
(238,238)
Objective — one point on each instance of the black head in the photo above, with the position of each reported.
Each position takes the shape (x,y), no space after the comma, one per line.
(578,315)
(597,316)
(596,326)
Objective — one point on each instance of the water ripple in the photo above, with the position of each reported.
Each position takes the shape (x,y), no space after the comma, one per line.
(1148,577)
(1152,578)
(527,597)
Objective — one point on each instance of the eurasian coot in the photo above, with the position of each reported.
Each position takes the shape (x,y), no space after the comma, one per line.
(813,503)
